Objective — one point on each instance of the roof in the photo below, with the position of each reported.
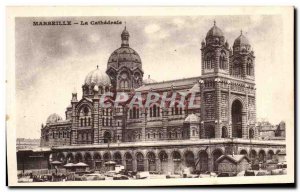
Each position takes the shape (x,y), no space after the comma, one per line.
(175,84)
(80,164)
(214,32)
(234,158)
(54,118)
(192,118)
(97,77)
(241,40)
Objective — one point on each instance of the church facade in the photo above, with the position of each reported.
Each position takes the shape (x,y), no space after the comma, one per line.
(164,138)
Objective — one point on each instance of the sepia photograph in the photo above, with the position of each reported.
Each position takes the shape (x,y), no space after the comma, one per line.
(161,96)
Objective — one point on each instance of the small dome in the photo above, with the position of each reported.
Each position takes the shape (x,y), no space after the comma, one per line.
(54,118)
(241,41)
(125,33)
(149,80)
(214,32)
(192,118)
(97,77)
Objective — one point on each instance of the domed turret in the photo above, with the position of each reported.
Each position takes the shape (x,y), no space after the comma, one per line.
(215,35)
(241,43)
(97,77)
(53,118)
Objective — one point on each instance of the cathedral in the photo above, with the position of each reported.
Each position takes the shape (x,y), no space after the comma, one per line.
(172,137)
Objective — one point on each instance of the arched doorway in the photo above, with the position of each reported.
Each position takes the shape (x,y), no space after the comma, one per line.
(203,161)
(216,154)
(236,114)
(78,158)
(190,160)
(251,133)
(88,159)
(107,137)
(140,162)
(118,158)
(262,156)
(243,152)
(70,158)
(97,160)
(163,158)
(270,155)
(106,157)
(224,132)
(176,161)
(151,161)
(61,158)
(210,131)
(128,162)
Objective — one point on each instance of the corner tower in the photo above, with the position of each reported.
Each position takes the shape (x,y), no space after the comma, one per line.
(227,87)
(124,66)
(215,52)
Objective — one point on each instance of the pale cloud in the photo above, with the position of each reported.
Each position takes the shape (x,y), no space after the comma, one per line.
(179,22)
(152,28)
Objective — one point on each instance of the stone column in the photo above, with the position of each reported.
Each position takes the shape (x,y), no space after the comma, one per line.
(144,123)
(244,124)
(134,162)
(218,108)
(74,120)
(165,122)
(96,118)
(229,128)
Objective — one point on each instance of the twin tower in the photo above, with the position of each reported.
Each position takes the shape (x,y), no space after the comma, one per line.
(227,87)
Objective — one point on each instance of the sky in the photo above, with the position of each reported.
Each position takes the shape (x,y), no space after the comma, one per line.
(52,61)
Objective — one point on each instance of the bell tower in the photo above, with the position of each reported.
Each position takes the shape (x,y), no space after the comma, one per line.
(227,87)
(215,52)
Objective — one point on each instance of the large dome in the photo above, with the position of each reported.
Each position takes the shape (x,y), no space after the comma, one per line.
(54,118)
(97,77)
(124,56)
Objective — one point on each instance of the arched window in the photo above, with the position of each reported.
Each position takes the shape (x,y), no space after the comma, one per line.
(159,135)
(150,111)
(133,113)
(176,109)
(251,133)
(81,122)
(85,121)
(208,62)
(154,111)
(224,132)
(154,135)
(193,132)
(124,84)
(148,135)
(249,67)
(137,113)
(89,121)
(222,61)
